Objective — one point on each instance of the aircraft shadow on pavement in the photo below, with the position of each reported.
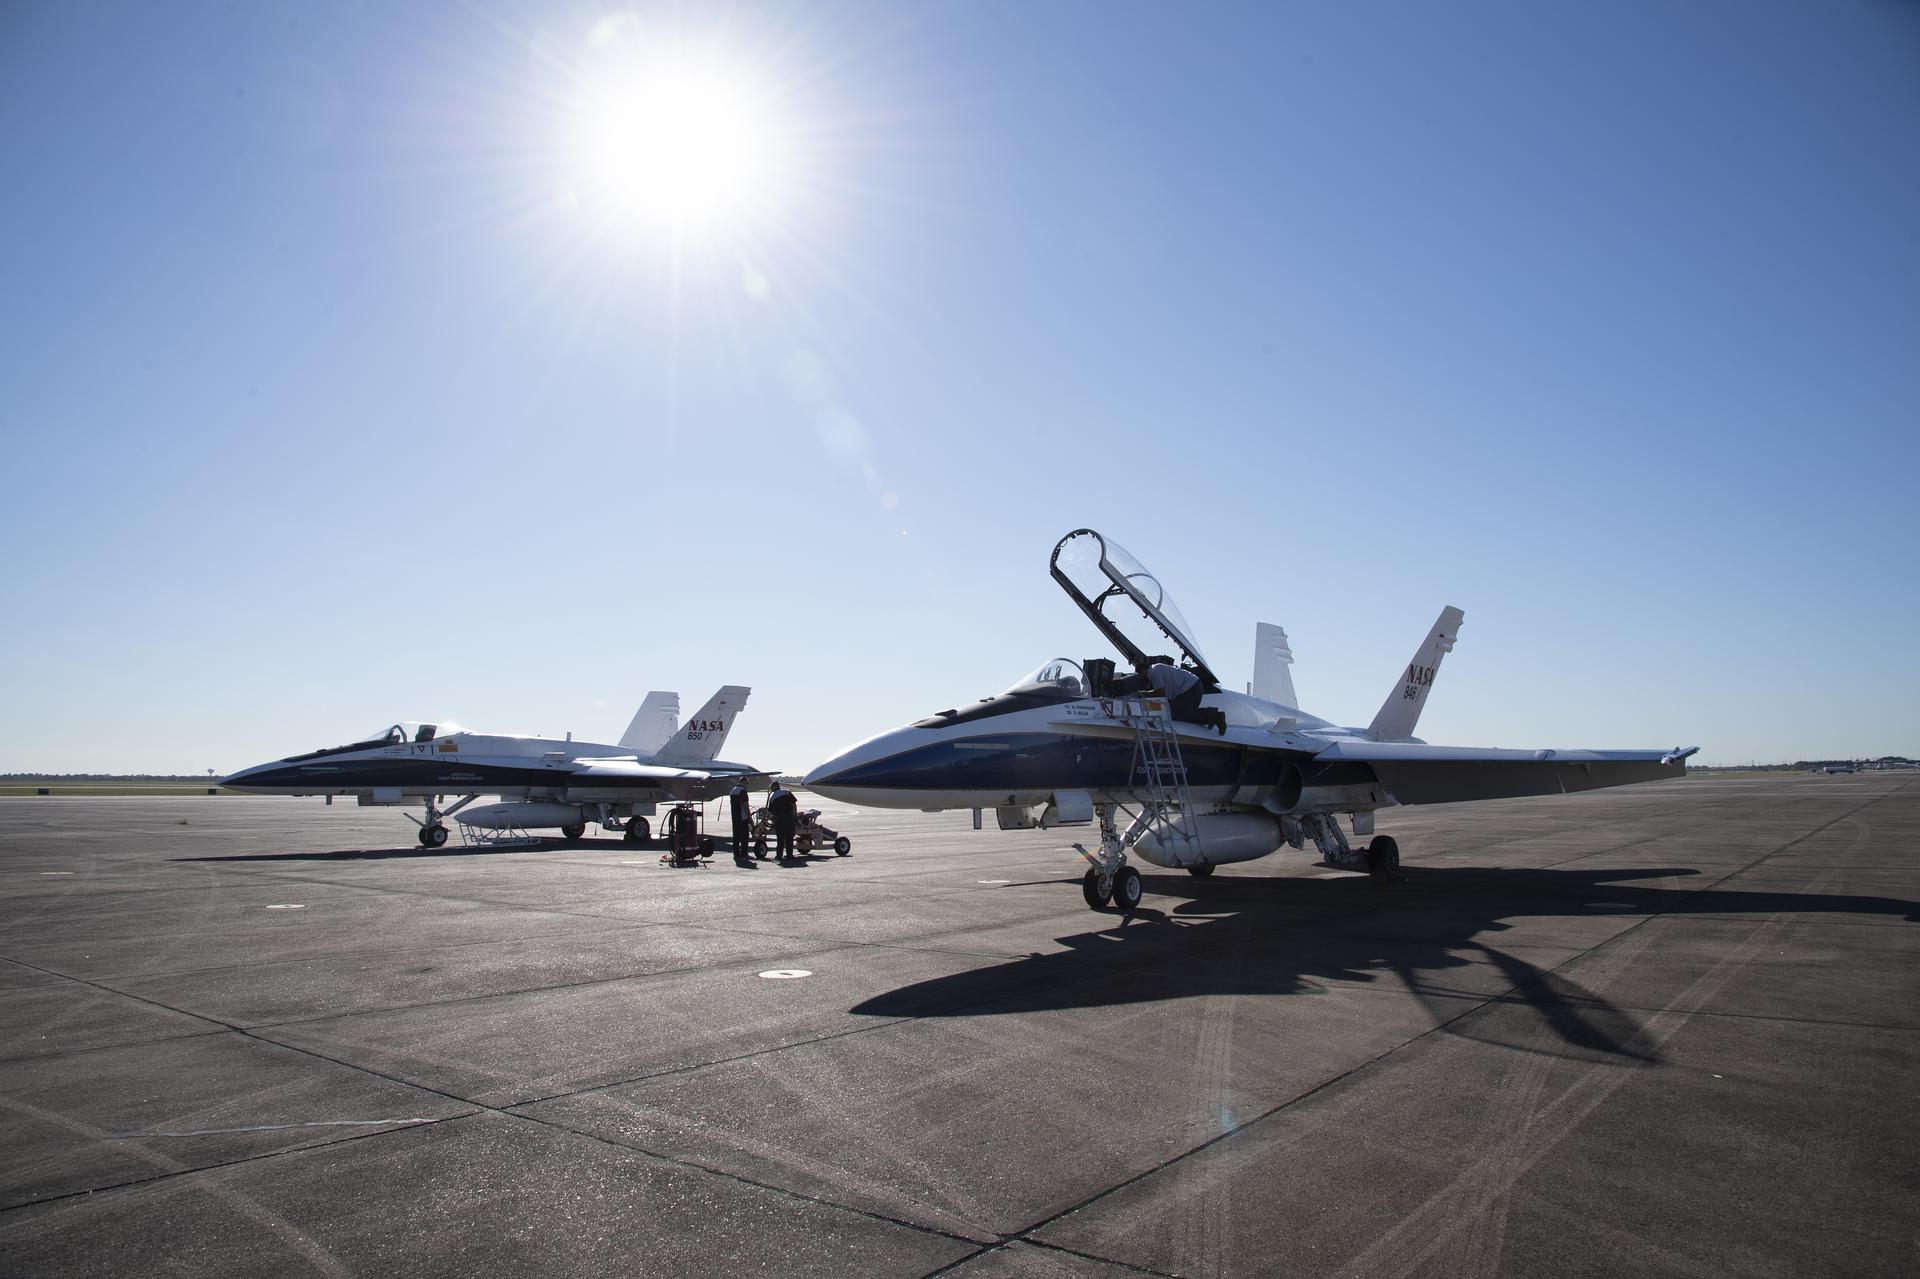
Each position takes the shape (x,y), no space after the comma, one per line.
(1299,936)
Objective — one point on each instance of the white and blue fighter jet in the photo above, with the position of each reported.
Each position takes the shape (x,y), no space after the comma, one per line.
(1200,775)
(545,783)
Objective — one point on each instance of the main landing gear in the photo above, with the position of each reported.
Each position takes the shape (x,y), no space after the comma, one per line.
(638,831)
(433,828)
(1383,859)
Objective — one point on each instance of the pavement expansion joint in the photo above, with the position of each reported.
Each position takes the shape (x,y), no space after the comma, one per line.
(1529,1168)
(740,1178)
(1778,1018)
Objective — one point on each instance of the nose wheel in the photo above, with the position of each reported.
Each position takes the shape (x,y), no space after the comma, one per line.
(433,827)
(1109,879)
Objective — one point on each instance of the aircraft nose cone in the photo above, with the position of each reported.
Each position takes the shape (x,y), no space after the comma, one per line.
(862,765)
(239,780)
(825,772)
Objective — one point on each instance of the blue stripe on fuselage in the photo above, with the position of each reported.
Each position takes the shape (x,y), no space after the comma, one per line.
(1053,761)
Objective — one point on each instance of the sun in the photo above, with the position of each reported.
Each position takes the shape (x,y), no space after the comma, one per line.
(677,141)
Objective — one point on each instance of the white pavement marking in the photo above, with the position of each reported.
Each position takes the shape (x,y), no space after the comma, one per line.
(781,974)
(314,1123)
(287,906)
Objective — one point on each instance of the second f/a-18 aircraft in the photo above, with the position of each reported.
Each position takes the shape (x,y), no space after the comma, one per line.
(1201,775)
(545,783)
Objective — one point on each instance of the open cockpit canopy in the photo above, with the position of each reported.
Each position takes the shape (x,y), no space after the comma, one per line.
(1127,602)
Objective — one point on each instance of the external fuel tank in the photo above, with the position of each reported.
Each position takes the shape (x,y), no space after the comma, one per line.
(1224,838)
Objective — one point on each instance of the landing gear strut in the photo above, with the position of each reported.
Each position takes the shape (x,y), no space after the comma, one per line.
(433,828)
(1108,877)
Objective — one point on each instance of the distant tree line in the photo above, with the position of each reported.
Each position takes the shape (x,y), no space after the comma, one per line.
(24,778)
(1884,761)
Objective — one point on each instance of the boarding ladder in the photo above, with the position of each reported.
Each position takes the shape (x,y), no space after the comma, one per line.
(1160,778)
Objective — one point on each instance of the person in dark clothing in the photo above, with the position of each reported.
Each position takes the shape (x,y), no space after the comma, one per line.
(742,805)
(786,818)
(1182,689)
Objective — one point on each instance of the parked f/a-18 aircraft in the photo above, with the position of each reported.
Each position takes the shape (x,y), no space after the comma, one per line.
(1201,775)
(545,783)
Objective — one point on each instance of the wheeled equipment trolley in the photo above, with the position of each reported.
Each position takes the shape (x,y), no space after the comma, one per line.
(808,834)
(684,832)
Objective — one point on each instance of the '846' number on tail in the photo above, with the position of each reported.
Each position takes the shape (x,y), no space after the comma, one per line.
(1419,679)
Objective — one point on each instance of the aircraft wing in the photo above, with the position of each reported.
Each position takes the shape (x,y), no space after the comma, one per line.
(616,771)
(1417,774)
(627,770)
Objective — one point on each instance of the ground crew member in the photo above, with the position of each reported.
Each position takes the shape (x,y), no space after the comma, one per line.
(786,816)
(742,804)
(1182,690)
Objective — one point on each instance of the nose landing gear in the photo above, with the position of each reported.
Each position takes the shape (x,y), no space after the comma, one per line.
(1108,877)
(433,828)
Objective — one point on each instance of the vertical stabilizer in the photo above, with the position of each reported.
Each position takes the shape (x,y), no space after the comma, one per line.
(1402,708)
(653,723)
(1272,663)
(699,740)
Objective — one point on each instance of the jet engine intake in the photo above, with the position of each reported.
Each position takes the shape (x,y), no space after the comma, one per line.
(1287,790)
(1291,794)
(1223,838)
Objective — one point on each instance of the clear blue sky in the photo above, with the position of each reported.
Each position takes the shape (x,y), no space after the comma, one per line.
(334,391)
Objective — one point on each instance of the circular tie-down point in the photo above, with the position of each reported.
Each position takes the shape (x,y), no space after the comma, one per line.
(287,906)
(786,974)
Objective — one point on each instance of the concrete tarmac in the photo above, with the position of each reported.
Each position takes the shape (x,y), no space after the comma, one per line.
(1666,1029)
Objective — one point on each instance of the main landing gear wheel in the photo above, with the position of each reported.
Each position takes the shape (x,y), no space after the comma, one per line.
(1095,889)
(573,831)
(1201,871)
(637,830)
(1383,859)
(842,846)
(434,836)
(1126,889)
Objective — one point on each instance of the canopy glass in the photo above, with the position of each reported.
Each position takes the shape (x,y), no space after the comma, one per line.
(1125,600)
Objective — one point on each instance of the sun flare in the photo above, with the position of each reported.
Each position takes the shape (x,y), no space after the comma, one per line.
(679,144)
